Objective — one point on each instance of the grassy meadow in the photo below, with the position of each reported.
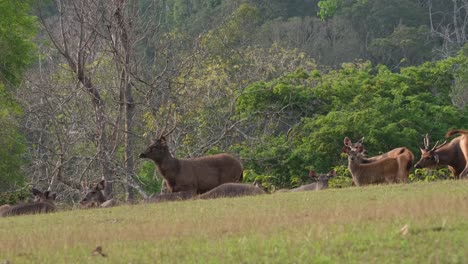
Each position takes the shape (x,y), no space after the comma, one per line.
(413,223)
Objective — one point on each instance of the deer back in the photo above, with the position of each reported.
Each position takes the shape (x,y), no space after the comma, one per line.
(232,190)
(44,203)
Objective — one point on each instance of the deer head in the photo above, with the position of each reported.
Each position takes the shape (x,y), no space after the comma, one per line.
(156,151)
(94,195)
(43,196)
(322,177)
(357,146)
(429,156)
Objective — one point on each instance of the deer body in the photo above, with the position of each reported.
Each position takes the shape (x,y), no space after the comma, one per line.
(170,197)
(454,154)
(232,190)
(44,203)
(390,167)
(197,175)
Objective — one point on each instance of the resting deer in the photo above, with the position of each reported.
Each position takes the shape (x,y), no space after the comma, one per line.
(454,154)
(95,197)
(403,156)
(232,190)
(195,175)
(322,182)
(169,197)
(43,203)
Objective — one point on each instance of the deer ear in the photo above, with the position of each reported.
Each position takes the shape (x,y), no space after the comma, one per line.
(332,173)
(101,185)
(53,196)
(36,192)
(347,141)
(312,174)
(345,149)
(361,140)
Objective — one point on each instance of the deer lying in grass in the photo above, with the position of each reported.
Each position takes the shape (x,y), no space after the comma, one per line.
(454,154)
(232,190)
(169,197)
(95,197)
(322,182)
(44,203)
(384,169)
(196,175)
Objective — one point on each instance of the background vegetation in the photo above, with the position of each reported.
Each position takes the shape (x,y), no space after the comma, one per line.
(86,85)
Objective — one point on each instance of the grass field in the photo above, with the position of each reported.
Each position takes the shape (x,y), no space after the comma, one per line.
(413,223)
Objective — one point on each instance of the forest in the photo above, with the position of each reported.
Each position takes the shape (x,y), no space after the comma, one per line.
(85,86)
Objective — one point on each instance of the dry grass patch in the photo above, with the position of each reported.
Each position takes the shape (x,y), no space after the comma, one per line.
(336,225)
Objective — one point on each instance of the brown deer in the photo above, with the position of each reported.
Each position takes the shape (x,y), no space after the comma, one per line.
(382,170)
(195,175)
(95,197)
(454,154)
(322,182)
(394,153)
(43,203)
(169,197)
(404,157)
(232,190)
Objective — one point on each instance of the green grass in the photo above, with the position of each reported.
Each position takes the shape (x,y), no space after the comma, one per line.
(352,225)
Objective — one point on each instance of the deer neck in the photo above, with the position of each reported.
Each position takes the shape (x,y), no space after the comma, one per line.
(169,166)
(445,155)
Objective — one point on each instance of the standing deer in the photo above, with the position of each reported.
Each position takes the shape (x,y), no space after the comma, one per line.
(195,175)
(404,157)
(95,197)
(322,182)
(43,203)
(232,190)
(454,154)
(380,170)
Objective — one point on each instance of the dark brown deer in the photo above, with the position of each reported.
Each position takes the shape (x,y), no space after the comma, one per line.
(404,157)
(196,175)
(322,182)
(232,190)
(454,154)
(44,203)
(95,197)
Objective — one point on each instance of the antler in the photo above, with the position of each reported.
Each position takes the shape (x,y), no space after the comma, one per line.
(163,134)
(436,146)
(426,142)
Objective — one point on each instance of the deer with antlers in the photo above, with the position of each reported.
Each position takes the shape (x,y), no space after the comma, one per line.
(390,167)
(453,154)
(192,175)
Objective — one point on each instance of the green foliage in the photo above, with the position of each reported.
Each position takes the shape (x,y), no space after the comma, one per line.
(12,142)
(146,177)
(430,175)
(17,30)
(389,109)
(15,197)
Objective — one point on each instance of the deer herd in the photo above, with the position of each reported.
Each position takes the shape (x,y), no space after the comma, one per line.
(221,175)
